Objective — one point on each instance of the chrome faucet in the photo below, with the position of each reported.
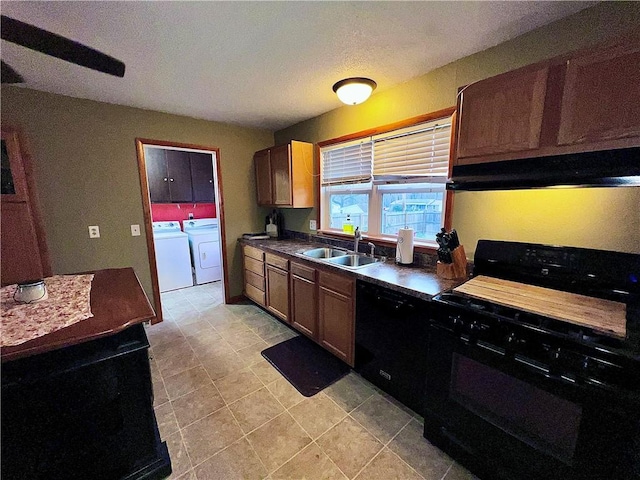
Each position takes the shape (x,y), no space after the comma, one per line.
(373,249)
(357,236)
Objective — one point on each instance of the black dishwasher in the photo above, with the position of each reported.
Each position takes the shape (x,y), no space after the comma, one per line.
(391,342)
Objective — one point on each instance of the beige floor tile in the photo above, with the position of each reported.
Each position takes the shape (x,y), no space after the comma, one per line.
(349,392)
(162,333)
(222,365)
(257,320)
(196,328)
(388,466)
(190,475)
(186,382)
(278,440)
(317,414)
(238,384)
(178,363)
(253,354)
(180,462)
(286,393)
(242,339)
(282,337)
(310,464)
(197,404)
(231,327)
(414,449)
(186,317)
(210,434)
(255,409)
(209,345)
(265,372)
(159,392)
(236,462)
(349,445)
(166,419)
(166,351)
(269,330)
(380,417)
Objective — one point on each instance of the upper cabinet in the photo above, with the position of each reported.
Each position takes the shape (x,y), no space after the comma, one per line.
(503,113)
(177,176)
(284,175)
(580,102)
(201,177)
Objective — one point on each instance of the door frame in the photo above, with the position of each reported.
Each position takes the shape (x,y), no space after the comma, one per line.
(146,207)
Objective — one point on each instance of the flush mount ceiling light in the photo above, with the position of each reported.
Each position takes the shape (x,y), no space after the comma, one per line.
(353,91)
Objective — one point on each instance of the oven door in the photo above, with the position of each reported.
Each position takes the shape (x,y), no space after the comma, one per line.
(514,420)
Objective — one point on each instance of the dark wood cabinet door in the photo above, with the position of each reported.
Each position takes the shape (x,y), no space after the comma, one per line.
(335,315)
(278,292)
(179,172)
(263,177)
(304,294)
(202,177)
(157,176)
(501,114)
(280,160)
(601,96)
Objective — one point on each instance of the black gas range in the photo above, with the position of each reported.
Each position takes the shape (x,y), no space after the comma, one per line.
(519,394)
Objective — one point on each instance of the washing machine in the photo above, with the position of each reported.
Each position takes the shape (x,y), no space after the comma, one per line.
(205,248)
(172,256)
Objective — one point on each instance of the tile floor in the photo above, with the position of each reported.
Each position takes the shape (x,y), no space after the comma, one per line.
(226,413)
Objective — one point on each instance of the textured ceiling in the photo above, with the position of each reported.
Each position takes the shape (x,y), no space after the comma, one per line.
(262,64)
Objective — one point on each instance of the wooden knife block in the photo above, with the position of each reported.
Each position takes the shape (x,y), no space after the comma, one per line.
(456,269)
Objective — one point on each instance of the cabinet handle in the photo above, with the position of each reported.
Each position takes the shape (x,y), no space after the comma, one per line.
(171,179)
(165,179)
(210,181)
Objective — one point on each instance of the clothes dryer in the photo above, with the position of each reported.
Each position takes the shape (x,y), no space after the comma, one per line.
(205,249)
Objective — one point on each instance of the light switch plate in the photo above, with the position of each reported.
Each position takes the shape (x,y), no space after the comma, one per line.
(94,231)
(135,230)
(313,225)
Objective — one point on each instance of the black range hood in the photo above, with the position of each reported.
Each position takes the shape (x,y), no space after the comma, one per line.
(610,168)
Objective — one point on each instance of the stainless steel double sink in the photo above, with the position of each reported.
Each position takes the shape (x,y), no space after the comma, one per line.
(339,257)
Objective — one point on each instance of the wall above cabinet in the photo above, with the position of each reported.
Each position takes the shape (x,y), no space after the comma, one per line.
(284,175)
(571,120)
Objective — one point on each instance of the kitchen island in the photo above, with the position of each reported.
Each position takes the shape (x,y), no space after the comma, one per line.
(78,402)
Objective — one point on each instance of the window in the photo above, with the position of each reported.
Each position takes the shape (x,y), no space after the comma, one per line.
(387,181)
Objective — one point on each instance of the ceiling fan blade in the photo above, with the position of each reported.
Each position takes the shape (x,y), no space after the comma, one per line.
(9,75)
(40,40)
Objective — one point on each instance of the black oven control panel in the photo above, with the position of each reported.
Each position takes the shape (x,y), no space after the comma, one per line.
(539,351)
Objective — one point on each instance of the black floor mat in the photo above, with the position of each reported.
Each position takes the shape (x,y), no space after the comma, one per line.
(307,366)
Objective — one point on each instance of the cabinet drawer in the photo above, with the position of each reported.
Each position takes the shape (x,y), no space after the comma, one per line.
(253,252)
(277,261)
(304,272)
(254,294)
(254,279)
(337,283)
(254,265)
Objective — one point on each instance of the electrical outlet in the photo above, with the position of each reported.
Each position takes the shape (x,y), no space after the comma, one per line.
(94,231)
(312,225)
(135,230)
(190,216)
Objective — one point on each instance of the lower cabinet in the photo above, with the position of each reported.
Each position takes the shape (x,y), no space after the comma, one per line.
(319,304)
(304,300)
(254,281)
(277,275)
(336,315)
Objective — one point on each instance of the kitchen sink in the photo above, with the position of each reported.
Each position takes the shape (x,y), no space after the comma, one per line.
(324,253)
(352,261)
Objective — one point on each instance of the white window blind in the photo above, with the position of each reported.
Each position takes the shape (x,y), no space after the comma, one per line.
(347,163)
(419,153)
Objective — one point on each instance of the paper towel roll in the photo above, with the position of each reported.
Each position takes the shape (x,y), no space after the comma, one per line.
(404,249)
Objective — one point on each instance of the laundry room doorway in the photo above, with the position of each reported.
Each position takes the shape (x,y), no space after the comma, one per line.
(184,222)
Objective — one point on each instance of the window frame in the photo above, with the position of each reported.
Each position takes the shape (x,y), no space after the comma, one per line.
(323,216)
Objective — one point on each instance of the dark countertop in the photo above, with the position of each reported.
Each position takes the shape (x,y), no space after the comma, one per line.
(416,281)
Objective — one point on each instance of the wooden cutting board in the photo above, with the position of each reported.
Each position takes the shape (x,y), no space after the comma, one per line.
(602,315)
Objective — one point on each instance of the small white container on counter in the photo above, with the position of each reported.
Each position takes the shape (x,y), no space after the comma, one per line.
(30,292)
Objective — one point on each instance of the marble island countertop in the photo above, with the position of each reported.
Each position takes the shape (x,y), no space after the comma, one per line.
(420,282)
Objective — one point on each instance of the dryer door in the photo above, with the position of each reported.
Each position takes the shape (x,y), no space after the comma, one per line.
(209,254)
